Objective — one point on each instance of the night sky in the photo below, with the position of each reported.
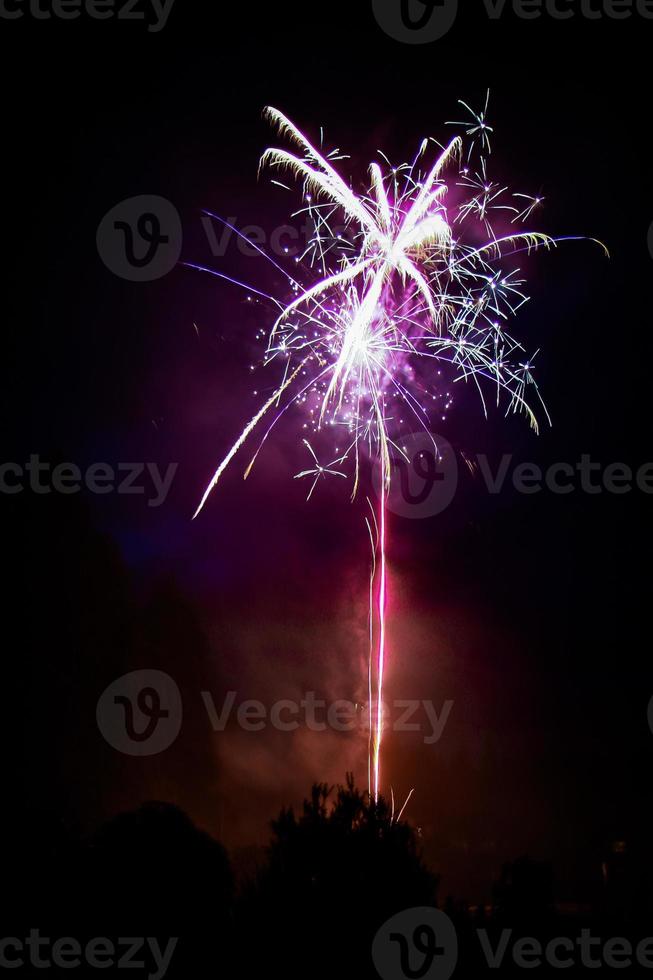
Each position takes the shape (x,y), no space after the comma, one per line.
(529,612)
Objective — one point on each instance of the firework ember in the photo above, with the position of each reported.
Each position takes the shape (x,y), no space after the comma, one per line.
(416,275)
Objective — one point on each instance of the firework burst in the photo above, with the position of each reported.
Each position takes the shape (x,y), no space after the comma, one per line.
(420,273)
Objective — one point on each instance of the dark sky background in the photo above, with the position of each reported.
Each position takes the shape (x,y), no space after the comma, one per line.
(531,613)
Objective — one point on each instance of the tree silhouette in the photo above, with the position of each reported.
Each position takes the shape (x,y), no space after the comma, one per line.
(334,875)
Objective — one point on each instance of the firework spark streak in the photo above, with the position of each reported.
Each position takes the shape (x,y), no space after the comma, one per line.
(417,281)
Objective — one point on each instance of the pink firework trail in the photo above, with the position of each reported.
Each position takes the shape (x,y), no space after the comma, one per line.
(383,587)
(418,272)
